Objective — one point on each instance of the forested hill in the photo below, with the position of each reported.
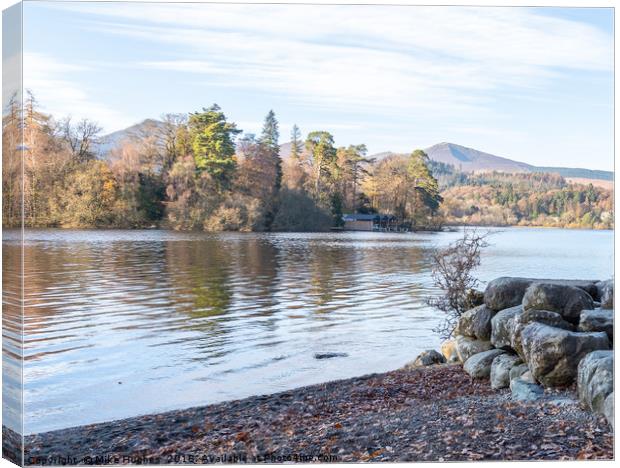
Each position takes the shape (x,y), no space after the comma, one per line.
(471,160)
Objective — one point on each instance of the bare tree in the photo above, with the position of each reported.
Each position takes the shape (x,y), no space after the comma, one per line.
(80,137)
(452,273)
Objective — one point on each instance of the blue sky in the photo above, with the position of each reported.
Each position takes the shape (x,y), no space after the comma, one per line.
(532,84)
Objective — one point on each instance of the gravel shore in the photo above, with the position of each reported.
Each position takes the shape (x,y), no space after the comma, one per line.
(428,414)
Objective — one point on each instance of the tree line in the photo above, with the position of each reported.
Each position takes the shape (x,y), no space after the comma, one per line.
(198,171)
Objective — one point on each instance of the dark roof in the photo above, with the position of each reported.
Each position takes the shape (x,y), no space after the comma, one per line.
(360,217)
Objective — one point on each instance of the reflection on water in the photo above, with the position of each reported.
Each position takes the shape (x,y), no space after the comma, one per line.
(121,323)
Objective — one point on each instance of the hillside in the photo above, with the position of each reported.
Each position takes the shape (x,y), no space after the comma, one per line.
(466,159)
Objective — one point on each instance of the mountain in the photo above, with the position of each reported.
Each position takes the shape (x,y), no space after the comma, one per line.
(460,157)
(471,160)
(110,141)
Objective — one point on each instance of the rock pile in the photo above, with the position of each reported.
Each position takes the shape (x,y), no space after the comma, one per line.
(532,334)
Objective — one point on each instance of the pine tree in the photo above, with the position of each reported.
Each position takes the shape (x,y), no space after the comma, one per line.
(296,144)
(212,140)
(269,138)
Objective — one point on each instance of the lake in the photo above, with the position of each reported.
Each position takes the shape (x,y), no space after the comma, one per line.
(123,323)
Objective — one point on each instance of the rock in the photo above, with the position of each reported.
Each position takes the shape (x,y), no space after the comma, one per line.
(552,354)
(608,409)
(568,301)
(597,320)
(518,371)
(426,358)
(605,290)
(501,327)
(329,355)
(533,315)
(505,292)
(474,298)
(595,379)
(448,349)
(525,391)
(500,370)
(467,347)
(479,365)
(528,377)
(475,323)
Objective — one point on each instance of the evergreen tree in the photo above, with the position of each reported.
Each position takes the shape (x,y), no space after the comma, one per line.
(296,144)
(269,139)
(213,144)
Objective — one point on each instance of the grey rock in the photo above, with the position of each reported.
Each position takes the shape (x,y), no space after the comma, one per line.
(502,325)
(608,409)
(448,349)
(605,291)
(475,323)
(534,315)
(426,358)
(568,301)
(479,365)
(329,355)
(467,347)
(525,391)
(528,377)
(505,292)
(552,354)
(595,379)
(500,370)
(518,371)
(597,320)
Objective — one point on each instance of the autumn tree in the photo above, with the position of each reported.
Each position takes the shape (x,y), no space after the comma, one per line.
(80,137)
(320,146)
(213,144)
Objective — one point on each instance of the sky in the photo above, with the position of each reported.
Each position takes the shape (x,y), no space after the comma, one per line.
(531,84)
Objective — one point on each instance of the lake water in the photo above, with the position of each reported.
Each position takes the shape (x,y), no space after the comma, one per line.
(123,323)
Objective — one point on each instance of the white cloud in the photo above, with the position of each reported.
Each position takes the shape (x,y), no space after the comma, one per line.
(443,60)
(61,96)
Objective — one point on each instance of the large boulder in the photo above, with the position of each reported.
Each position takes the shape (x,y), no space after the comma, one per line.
(608,409)
(475,323)
(500,370)
(597,320)
(501,327)
(552,354)
(505,292)
(426,358)
(595,379)
(568,301)
(467,347)
(524,390)
(479,365)
(605,290)
(448,349)
(533,315)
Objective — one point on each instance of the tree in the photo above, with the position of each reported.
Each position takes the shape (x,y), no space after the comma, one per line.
(296,144)
(424,184)
(80,138)
(269,139)
(320,145)
(213,144)
(353,166)
(452,273)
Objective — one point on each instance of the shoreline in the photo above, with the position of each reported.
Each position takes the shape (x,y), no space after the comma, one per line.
(435,413)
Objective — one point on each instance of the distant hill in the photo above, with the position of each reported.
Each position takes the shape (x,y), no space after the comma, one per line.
(471,160)
(460,157)
(112,140)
